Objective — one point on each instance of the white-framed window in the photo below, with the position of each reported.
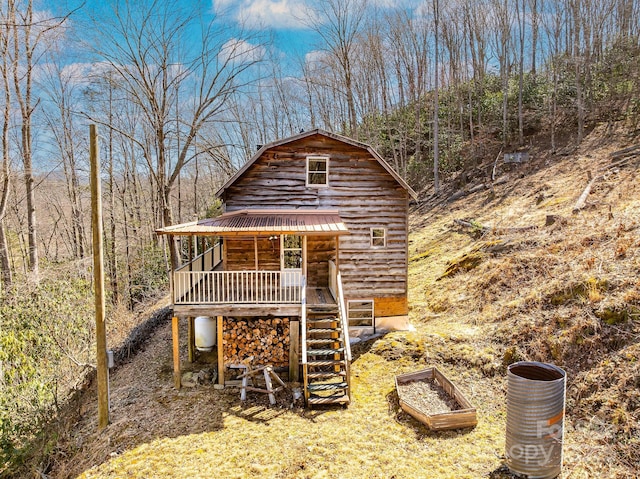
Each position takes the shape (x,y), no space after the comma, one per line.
(378,237)
(317,171)
(360,312)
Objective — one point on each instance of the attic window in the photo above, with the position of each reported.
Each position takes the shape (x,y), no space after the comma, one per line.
(317,171)
(378,237)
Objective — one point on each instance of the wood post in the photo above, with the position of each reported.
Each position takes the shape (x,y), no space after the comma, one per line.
(220,342)
(98,273)
(191,339)
(176,351)
(269,385)
(255,251)
(294,351)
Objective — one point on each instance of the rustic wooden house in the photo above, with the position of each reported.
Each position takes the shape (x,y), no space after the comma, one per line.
(311,246)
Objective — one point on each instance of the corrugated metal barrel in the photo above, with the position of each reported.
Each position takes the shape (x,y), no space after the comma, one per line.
(535,419)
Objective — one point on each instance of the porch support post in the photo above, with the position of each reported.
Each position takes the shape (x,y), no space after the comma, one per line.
(220,342)
(202,247)
(294,351)
(176,351)
(191,339)
(255,251)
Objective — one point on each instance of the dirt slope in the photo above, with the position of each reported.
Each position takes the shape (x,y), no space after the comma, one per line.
(567,293)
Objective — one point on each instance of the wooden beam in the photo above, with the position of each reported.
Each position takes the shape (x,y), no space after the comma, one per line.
(98,273)
(175,333)
(294,351)
(220,342)
(255,251)
(292,309)
(191,339)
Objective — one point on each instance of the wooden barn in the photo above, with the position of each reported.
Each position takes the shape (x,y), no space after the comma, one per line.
(310,248)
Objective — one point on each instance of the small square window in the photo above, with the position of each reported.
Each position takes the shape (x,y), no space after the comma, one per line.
(317,171)
(378,237)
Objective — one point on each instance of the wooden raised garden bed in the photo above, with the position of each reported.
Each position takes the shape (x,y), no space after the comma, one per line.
(434,400)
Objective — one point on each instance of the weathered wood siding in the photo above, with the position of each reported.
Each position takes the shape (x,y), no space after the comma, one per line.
(320,249)
(240,254)
(365,194)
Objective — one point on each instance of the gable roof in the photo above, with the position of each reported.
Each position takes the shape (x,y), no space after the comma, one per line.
(307,134)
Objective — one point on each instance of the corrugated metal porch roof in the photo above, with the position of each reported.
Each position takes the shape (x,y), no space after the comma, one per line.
(252,222)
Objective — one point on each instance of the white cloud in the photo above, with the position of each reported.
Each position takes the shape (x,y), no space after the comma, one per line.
(278,14)
(241,51)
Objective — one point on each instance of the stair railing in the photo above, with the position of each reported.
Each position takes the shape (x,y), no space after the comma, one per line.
(303,334)
(303,319)
(344,319)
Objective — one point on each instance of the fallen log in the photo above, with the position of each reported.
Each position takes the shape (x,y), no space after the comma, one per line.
(632,150)
(582,200)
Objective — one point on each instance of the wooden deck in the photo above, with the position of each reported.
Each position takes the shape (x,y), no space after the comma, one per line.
(319,299)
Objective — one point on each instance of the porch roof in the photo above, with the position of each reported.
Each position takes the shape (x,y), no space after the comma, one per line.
(264,222)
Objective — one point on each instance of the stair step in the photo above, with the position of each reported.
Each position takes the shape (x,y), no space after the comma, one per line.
(322,310)
(322,320)
(324,352)
(334,399)
(322,330)
(325,362)
(325,374)
(326,386)
(322,340)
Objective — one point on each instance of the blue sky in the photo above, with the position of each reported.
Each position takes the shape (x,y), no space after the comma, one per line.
(284,20)
(287,20)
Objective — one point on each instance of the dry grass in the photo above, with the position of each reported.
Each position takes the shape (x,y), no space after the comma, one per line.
(568,293)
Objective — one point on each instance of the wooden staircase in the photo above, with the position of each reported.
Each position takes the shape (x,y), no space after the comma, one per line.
(326,357)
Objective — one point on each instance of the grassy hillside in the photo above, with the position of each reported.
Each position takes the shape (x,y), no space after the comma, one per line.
(484,292)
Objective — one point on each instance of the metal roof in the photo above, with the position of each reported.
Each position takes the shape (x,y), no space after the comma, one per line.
(274,221)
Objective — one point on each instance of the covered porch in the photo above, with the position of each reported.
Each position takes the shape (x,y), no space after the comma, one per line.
(256,261)
(256,264)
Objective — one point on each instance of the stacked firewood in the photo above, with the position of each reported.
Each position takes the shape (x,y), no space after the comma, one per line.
(266,339)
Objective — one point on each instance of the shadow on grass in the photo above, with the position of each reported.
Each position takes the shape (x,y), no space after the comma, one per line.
(502,472)
(363,347)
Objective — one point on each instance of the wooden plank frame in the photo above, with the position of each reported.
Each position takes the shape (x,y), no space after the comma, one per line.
(175,333)
(461,418)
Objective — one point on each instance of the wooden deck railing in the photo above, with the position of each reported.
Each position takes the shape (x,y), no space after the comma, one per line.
(237,287)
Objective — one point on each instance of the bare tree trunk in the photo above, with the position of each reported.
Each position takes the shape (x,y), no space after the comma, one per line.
(113,260)
(533,5)
(23,89)
(521,13)
(5,263)
(436,107)
(577,70)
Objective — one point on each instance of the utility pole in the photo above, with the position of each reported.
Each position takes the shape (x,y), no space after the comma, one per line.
(436,107)
(98,281)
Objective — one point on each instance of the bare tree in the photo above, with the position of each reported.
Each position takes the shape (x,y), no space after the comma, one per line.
(5,264)
(146,46)
(339,22)
(60,86)
(29,37)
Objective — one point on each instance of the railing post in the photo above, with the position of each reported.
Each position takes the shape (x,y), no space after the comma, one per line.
(303,319)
